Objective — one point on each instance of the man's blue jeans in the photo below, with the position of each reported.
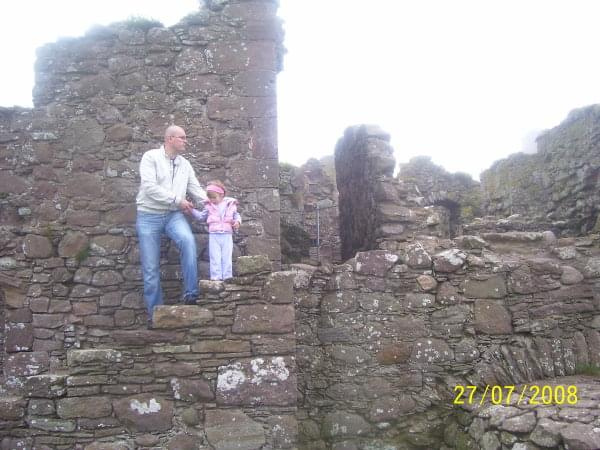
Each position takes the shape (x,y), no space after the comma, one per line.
(149,228)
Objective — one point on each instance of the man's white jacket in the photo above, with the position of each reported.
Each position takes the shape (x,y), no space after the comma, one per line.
(165,182)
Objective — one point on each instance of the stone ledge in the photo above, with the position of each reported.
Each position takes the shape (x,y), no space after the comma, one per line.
(181,316)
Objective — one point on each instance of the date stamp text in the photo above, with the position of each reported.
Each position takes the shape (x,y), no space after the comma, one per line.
(527,394)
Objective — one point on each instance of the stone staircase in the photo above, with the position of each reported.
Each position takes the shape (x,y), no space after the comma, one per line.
(220,374)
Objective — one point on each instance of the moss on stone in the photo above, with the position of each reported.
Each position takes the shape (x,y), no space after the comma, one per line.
(141,23)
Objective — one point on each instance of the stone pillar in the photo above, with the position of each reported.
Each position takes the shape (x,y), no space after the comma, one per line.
(363,160)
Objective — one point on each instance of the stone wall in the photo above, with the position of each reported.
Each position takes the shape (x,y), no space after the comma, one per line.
(363,354)
(78,366)
(559,183)
(221,374)
(385,338)
(375,207)
(303,190)
(71,163)
(457,192)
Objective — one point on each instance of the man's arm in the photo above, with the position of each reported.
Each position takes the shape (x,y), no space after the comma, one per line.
(199,215)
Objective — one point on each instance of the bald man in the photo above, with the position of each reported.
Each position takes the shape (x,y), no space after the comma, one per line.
(166,178)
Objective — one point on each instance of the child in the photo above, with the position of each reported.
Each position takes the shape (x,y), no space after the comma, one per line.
(221,215)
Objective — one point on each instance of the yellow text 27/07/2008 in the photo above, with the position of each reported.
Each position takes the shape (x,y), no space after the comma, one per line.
(527,394)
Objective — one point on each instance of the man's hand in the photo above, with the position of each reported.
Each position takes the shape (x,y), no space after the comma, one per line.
(186,206)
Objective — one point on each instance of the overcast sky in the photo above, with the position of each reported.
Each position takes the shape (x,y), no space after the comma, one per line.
(464,81)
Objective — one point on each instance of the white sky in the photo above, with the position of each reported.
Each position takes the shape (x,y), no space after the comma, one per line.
(464,81)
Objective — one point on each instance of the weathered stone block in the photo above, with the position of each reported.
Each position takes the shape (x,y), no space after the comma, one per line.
(82,218)
(374,262)
(263,143)
(339,302)
(91,407)
(228,429)
(21,315)
(262,246)
(345,424)
(48,320)
(417,257)
(181,316)
(54,425)
(235,108)
(107,278)
(418,300)
(284,431)
(121,216)
(145,412)
(19,337)
(44,386)
(263,319)
(236,56)
(449,260)
(107,245)
(35,246)
(183,442)
(83,185)
(388,409)
(391,212)
(191,390)
(84,291)
(447,294)
(493,287)
(348,355)
(12,408)
(124,317)
(41,407)
(431,351)
(257,381)
(72,244)
(491,318)
(246,265)
(221,346)
(191,61)
(77,358)
(570,275)
(11,183)
(126,445)
(405,327)
(394,353)
(255,83)
(426,282)
(119,133)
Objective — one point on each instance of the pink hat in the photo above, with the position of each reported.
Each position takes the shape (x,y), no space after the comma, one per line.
(215,188)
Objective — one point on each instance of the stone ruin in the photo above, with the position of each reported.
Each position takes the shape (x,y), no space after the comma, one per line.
(360,344)
(309,212)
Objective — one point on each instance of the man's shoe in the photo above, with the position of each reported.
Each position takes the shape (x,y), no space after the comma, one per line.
(190,300)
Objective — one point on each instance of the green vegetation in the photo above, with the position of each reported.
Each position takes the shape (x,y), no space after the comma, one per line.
(142,23)
(48,231)
(286,167)
(83,254)
(587,369)
(3,195)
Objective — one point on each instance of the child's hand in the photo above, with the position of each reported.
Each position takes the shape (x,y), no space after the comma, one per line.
(236,225)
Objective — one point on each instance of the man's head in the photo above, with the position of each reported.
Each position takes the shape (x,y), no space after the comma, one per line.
(175,140)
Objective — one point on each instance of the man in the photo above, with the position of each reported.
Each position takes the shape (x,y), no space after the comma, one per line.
(166,177)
